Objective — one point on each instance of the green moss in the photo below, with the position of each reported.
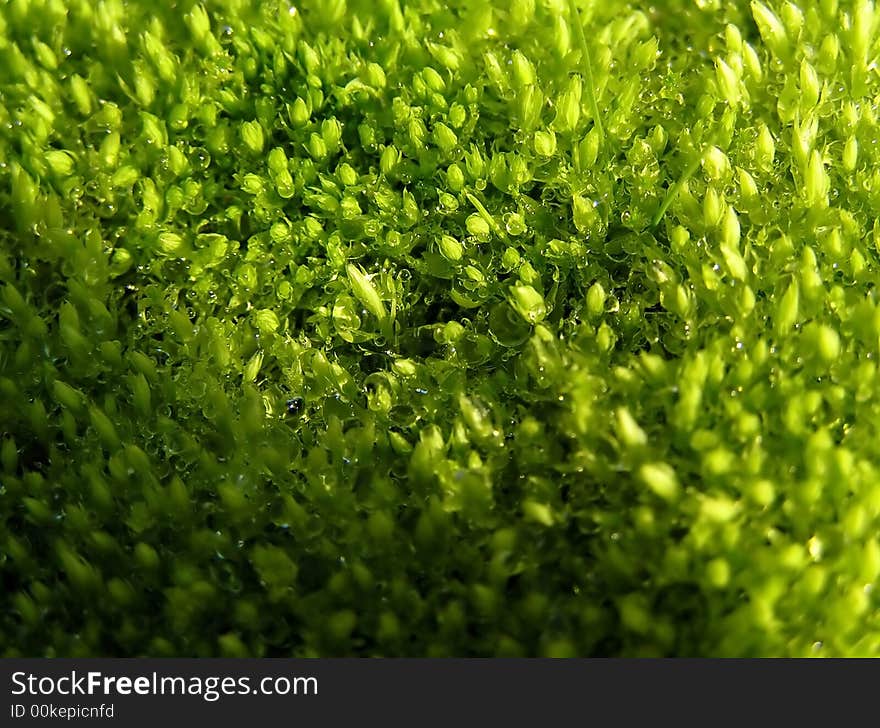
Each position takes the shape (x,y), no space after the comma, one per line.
(532,327)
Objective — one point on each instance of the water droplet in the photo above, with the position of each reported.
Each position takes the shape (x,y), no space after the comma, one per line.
(295,406)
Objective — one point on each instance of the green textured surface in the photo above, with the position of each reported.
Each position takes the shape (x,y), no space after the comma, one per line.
(349,329)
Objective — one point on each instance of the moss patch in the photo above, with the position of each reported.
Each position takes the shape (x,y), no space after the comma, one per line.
(439,328)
